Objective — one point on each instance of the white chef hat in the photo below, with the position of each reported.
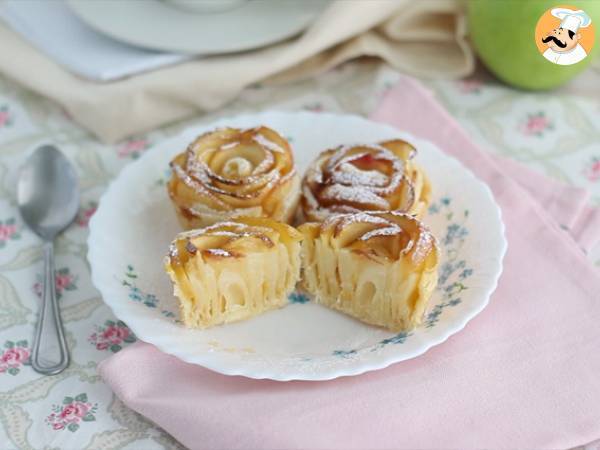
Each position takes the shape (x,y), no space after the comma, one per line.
(571,20)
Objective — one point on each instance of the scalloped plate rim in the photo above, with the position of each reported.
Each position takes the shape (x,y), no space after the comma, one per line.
(358,369)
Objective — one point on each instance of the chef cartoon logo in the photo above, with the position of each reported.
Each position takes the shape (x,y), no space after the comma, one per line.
(565,35)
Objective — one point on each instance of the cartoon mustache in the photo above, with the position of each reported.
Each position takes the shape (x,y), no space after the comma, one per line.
(556,41)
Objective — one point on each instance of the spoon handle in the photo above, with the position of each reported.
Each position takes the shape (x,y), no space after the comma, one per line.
(50,355)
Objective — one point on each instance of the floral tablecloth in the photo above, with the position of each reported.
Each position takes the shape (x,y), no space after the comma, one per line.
(557,133)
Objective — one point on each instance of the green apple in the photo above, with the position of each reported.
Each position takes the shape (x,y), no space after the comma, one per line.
(503,31)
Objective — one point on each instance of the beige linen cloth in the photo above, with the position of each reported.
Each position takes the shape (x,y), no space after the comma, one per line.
(424,38)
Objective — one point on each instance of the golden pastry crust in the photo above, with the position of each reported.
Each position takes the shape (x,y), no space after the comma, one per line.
(378,177)
(233,270)
(379,267)
(230,172)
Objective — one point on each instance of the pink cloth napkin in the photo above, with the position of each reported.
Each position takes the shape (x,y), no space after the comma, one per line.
(525,373)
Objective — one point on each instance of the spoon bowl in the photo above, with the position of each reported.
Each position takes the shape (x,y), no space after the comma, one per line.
(47,192)
(48,199)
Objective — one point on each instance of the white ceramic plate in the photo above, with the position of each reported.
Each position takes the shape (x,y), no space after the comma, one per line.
(159,25)
(135,222)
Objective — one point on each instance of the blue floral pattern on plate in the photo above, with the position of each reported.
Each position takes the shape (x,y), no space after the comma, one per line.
(137,295)
(298,297)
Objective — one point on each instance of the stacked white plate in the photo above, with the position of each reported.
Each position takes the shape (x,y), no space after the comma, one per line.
(126,37)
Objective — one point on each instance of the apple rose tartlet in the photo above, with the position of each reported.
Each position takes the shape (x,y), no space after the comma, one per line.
(229,173)
(378,177)
(379,267)
(233,270)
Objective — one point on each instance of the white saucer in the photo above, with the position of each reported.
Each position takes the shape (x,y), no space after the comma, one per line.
(158,25)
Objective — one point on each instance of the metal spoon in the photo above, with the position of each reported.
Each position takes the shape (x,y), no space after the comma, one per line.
(48,198)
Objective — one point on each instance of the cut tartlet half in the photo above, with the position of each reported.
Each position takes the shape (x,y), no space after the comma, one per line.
(233,270)
(379,267)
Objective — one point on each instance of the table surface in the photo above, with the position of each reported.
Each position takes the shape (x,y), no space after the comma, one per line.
(557,133)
